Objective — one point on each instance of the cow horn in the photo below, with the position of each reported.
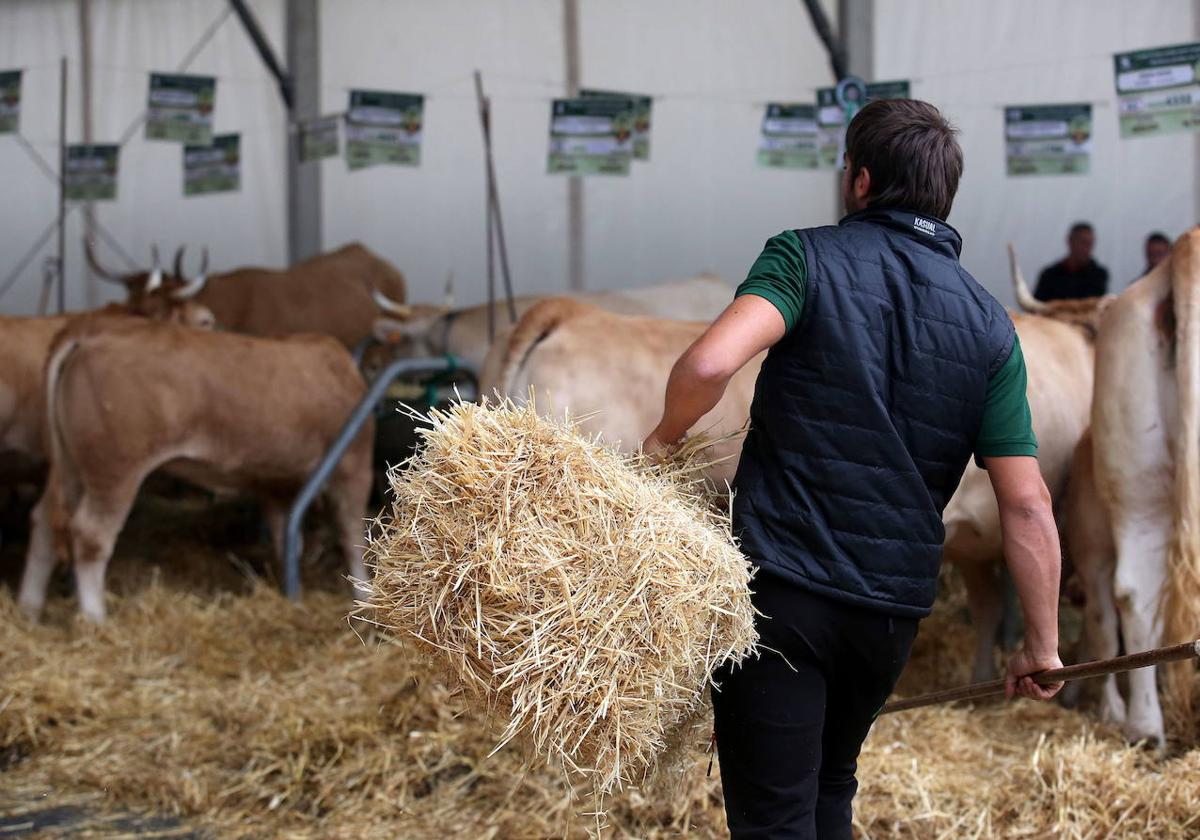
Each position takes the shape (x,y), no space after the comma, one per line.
(156,274)
(1025,298)
(177,270)
(103,273)
(450,289)
(193,287)
(400,310)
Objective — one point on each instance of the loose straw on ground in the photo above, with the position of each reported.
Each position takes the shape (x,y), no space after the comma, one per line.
(581,596)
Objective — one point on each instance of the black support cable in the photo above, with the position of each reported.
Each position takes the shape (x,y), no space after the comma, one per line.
(837,53)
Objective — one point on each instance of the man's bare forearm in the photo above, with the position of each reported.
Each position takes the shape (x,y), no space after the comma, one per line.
(693,390)
(1031,548)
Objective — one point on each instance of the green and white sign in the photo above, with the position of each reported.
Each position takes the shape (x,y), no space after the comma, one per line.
(1048,139)
(642,106)
(591,136)
(831,117)
(180,108)
(319,138)
(215,168)
(384,127)
(1158,91)
(10,101)
(789,136)
(91,172)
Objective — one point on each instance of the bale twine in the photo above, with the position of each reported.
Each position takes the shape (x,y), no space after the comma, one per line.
(582,596)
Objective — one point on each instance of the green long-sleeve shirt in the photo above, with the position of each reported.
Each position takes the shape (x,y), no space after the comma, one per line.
(779,276)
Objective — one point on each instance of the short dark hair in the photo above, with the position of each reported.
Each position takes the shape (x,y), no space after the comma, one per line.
(1079,227)
(1158,236)
(912,153)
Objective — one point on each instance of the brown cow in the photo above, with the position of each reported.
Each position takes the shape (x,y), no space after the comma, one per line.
(230,412)
(329,294)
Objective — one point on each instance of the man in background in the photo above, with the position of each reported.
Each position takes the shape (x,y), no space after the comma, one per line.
(1157,248)
(1077,275)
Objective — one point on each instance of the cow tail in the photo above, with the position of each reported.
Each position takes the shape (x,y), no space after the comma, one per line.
(506,358)
(1182,602)
(60,456)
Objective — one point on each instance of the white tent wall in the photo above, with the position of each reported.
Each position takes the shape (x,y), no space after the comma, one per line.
(972,58)
(700,203)
(131,38)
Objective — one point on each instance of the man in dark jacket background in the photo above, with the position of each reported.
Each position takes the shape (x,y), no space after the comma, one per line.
(888,369)
(1077,275)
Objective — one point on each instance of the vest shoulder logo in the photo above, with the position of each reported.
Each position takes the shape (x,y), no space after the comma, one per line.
(924,225)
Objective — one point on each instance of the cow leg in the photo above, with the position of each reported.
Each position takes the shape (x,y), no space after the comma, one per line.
(92,530)
(348,496)
(1096,567)
(986,604)
(39,559)
(1140,575)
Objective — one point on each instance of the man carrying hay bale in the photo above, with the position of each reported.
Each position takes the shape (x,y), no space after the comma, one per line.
(889,367)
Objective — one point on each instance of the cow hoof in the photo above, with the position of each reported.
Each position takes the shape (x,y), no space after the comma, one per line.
(32,612)
(1147,739)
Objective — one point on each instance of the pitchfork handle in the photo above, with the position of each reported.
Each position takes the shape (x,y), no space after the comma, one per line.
(1097,668)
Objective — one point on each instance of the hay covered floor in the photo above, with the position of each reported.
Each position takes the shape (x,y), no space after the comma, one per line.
(210,698)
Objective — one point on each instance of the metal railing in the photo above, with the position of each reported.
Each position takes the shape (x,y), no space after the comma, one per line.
(293,537)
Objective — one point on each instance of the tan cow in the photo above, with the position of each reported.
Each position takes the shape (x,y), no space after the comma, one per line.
(422,330)
(589,361)
(25,345)
(585,360)
(230,412)
(1146,464)
(329,294)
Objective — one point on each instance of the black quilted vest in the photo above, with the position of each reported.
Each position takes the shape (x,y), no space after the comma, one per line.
(865,414)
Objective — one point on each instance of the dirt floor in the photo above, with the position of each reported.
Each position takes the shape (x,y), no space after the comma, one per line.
(209,706)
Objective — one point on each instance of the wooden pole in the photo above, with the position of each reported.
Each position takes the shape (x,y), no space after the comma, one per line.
(495,218)
(1083,671)
(575,233)
(62,185)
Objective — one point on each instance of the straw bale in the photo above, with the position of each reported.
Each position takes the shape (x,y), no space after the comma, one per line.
(581,596)
(252,716)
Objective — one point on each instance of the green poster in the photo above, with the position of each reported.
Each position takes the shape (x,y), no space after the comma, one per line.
(1048,139)
(642,106)
(831,117)
(180,108)
(10,101)
(383,127)
(789,136)
(91,172)
(215,168)
(1158,91)
(591,136)
(319,138)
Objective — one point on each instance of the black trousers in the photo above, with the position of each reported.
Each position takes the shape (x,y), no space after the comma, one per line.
(789,732)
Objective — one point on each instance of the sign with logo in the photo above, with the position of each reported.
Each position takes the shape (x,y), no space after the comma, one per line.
(831,115)
(642,106)
(384,128)
(591,136)
(180,108)
(925,226)
(319,138)
(91,172)
(1048,139)
(10,101)
(215,168)
(789,136)
(1158,91)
